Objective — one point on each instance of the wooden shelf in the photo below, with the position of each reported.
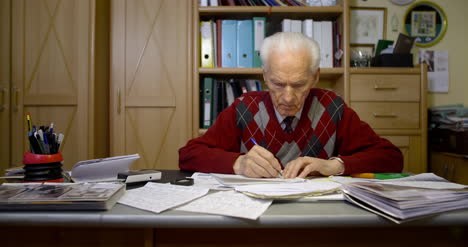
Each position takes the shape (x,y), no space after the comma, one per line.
(325,73)
(386,70)
(267,10)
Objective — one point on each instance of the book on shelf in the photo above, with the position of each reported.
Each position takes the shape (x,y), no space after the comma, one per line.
(229,43)
(259,35)
(217,94)
(410,198)
(60,196)
(207,44)
(245,44)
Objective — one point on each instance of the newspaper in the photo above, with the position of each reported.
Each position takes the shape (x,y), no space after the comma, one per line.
(59,196)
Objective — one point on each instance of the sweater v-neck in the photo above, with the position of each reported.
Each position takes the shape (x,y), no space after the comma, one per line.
(277,125)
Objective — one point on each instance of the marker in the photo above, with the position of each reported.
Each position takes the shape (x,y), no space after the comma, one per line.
(28,119)
(379,175)
(51,128)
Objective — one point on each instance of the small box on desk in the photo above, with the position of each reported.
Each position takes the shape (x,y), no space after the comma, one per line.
(393,60)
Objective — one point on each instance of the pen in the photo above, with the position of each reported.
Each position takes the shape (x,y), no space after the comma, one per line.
(379,175)
(255,142)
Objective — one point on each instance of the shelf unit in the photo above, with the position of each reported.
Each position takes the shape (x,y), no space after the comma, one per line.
(334,78)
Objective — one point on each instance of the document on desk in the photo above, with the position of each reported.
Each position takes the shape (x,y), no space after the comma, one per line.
(230,180)
(228,203)
(312,187)
(206,180)
(157,197)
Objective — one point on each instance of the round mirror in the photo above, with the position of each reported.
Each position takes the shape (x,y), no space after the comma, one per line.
(426,22)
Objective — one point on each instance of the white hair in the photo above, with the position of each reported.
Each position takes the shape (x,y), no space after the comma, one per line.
(290,41)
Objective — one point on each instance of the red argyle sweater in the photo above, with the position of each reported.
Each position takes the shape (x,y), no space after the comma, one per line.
(327,128)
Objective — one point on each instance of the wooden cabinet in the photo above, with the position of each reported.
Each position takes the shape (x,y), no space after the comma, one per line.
(150,93)
(453,167)
(5,83)
(51,60)
(393,102)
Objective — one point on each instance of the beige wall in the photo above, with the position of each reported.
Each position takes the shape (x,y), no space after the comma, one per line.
(455,41)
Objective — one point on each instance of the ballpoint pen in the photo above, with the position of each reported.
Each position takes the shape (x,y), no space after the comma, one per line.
(255,142)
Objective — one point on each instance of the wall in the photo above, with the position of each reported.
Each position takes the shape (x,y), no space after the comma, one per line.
(454,41)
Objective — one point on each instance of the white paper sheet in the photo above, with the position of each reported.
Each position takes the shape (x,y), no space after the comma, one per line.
(205,180)
(437,70)
(228,203)
(156,197)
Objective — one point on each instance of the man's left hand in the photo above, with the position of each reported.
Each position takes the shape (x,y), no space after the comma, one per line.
(304,166)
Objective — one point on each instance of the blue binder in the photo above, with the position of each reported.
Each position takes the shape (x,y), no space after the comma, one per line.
(228,43)
(244,43)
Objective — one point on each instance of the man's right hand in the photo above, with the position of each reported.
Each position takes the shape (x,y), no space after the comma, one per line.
(257,163)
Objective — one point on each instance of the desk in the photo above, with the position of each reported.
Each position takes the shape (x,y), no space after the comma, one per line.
(324,223)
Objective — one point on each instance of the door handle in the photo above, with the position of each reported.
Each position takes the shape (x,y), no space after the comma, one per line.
(3,92)
(16,99)
(119,101)
(378,115)
(381,87)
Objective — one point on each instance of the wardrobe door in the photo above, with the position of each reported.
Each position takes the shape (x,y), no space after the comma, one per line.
(52,75)
(150,80)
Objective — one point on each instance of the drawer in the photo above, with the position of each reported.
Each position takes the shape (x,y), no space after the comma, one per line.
(388,115)
(399,141)
(384,87)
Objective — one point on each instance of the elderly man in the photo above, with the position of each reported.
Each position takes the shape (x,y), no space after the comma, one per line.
(293,128)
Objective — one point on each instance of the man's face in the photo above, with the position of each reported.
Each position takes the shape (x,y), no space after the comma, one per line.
(289,79)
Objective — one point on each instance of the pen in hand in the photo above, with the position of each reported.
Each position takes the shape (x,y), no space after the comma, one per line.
(255,143)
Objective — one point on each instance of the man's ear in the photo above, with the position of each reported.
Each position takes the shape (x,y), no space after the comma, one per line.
(315,78)
(264,73)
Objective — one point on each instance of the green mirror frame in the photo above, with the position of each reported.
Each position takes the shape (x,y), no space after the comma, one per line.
(426,22)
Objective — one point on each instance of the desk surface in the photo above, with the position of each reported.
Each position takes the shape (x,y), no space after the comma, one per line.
(280,214)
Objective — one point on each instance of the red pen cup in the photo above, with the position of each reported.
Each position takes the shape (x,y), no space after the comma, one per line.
(39,168)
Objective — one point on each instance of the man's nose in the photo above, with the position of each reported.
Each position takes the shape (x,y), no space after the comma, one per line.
(288,95)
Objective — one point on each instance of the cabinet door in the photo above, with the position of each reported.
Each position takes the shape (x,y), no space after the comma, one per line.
(51,73)
(150,80)
(5,35)
(410,146)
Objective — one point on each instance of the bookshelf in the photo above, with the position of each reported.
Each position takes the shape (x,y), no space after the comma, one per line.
(406,129)
(334,78)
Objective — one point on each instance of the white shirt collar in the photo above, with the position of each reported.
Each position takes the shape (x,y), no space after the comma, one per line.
(281,118)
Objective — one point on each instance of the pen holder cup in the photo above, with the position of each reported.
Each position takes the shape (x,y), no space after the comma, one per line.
(42,167)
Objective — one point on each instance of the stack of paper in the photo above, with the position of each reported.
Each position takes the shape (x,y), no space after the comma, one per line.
(229,180)
(405,199)
(312,187)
